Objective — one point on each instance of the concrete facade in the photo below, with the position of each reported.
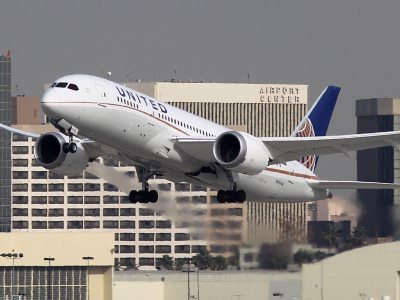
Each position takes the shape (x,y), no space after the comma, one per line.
(26,110)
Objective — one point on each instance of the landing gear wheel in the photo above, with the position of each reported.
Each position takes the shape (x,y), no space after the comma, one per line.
(153,196)
(241,196)
(65,148)
(221,196)
(73,147)
(133,197)
(232,196)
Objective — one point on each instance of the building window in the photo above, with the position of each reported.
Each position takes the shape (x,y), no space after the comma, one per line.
(92,212)
(125,200)
(110,212)
(76,176)
(56,200)
(182,236)
(163,224)
(199,199)
(92,199)
(39,225)
(20,187)
(20,224)
(182,200)
(234,224)
(214,200)
(53,175)
(36,212)
(146,212)
(126,249)
(19,138)
(56,212)
(163,249)
(110,188)
(198,188)
(217,225)
(126,212)
(127,261)
(56,187)
(163,237)
(20,199)
(20,162)
(116,237)
(127,237)
(197,248)
(56,225)
(20,150)
(75,187)
(110,199)
(20,212)
(92,187)
(164,186)
(217,212)
(182,187)
(146,224)
(20,174)
(238,211)
(39,187)
(90,176)
(147,237)
(182,249)
(146,261)
(39,174)
(39,200)
(92,224)
(146,249)
(75,212)
(75,225)
(75,200)
(217,249)
(110,224)
(35,163)
(127,224)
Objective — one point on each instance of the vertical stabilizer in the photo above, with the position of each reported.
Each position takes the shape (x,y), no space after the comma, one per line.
(316,121)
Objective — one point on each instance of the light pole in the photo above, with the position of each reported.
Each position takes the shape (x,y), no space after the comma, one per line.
(88,258)
(12,256)
(49,259)
(126,78)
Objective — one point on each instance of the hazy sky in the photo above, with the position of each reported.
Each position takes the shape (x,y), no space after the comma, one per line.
(350,43)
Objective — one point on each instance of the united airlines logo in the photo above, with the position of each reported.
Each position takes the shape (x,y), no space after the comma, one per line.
(307,130)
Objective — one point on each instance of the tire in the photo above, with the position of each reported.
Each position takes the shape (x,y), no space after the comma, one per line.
(73,147)
(241,195)
(133,197)
(153,196)
(65,148)
(232,197)
(221,196)
(144,195)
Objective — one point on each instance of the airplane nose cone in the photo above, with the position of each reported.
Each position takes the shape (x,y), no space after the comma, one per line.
(50,103)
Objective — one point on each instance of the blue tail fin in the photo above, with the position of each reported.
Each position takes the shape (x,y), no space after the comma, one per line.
(316,121)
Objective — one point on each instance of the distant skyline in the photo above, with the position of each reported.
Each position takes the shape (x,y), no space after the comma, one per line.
(351,44)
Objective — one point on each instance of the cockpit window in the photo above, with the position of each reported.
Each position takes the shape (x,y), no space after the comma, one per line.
(53,85)
(61,84)
(73,87)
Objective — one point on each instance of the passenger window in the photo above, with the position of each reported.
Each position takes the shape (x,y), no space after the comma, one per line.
(61,84)
(73,87)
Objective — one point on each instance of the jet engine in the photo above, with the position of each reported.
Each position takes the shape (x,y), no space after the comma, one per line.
(241,152)
(49,154)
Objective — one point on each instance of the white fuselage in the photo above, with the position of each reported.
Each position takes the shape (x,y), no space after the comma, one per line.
(141,130)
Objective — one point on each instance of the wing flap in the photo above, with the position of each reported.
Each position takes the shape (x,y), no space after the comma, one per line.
(330,184)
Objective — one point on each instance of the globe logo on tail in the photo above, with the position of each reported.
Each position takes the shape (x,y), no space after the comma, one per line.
(307,130)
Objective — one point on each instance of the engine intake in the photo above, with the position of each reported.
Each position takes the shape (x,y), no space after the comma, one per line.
(49,154)
(241,152)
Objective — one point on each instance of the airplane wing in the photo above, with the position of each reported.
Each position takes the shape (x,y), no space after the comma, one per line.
(291,148)
(199,147)
(21,132)
(330,184)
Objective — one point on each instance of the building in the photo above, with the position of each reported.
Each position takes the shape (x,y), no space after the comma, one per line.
(26,110)
(5,144)
(261,110)
(379,207)
(63,266)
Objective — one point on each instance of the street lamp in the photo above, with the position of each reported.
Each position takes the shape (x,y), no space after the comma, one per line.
(126,78)
(12,256)
(88,258)
(49,259)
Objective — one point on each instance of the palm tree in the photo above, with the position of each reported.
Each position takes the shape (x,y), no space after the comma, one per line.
(203,260)
(219,263)
(358,236)
(330,234)
(167,262)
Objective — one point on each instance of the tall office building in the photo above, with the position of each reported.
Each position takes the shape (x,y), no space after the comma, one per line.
(378,164)
(5,144)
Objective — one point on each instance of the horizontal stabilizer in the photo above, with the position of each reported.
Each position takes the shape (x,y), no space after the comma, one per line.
(330,184)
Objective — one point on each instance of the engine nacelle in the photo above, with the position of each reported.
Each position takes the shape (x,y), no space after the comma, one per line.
(241,152)
(50,155)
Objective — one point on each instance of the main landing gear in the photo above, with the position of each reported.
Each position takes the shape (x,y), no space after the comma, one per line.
(144,195)
(233,195)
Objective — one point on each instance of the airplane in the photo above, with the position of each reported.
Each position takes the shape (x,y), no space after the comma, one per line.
(96,117)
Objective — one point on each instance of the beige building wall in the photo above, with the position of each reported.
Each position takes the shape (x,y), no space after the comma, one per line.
(370,272)
(25,110)
(31,271)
